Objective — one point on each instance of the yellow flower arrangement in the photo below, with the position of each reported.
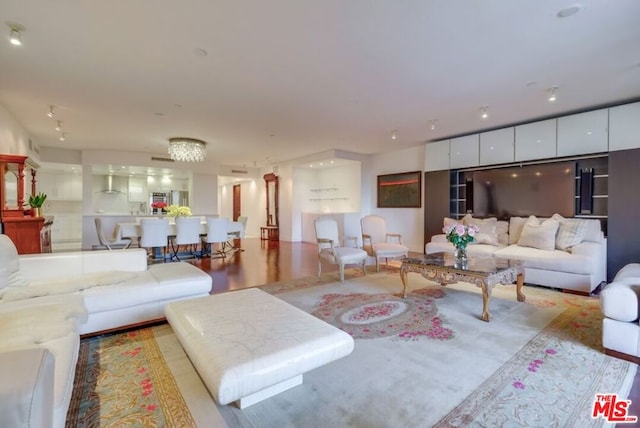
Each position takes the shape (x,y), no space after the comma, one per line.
(178,211)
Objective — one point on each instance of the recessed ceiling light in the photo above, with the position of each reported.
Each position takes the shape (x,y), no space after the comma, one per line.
(15,34)
(569,11)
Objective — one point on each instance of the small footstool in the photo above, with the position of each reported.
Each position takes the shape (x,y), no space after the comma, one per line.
(248,345)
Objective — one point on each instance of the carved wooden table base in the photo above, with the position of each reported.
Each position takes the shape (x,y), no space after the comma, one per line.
(434,269)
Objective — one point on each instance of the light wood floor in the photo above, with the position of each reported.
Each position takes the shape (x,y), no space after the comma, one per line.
(263,262)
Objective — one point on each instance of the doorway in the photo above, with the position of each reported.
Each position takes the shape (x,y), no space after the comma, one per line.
(237,208)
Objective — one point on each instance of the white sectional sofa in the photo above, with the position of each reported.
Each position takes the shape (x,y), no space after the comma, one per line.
(620,302)
(570,254)
(48,300)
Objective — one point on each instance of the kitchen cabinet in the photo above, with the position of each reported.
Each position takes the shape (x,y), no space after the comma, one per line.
(464,151)
(138,189)
(624,127)
(66,228)
(536,140)
(60,187)
(436,156)
(497,146)
(583,133)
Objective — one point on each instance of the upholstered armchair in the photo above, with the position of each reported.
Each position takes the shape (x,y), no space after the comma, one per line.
(377,242)
(330,250)
(620,303)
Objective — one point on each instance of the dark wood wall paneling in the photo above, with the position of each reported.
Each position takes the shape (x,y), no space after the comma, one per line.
(623,243)
(436,202)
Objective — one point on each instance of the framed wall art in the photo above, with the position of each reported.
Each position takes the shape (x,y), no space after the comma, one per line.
(402,190)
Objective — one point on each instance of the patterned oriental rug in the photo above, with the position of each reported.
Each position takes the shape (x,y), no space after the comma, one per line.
(427,360)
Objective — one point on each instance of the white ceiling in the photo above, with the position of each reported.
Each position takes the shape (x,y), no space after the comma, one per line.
(284,79)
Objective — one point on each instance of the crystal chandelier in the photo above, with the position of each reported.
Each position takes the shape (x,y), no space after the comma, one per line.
(187,149)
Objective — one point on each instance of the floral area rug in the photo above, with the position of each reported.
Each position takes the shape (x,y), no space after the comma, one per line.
(428,360)
(367,316)
(123,380)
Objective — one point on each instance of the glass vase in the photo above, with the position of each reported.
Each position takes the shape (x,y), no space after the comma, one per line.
(460,254)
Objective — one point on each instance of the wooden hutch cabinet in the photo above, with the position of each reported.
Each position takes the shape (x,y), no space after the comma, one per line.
(28,232)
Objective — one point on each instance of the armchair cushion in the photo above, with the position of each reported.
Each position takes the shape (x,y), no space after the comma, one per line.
(619,301)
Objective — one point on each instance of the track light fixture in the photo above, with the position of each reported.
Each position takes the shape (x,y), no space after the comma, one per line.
(63,136)
(484,112)
(432,124)
(393,134)
(59,127)
(15,34)
(51,112)
(552,94)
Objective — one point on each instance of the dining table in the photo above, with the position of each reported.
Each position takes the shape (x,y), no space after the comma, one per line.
(133,230)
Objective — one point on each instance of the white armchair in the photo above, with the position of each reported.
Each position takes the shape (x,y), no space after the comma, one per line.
(620,303)
(330,250)
(377,242)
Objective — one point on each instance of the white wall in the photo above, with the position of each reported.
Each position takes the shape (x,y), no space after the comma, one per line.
(14,139)
(252,204)
(409,222)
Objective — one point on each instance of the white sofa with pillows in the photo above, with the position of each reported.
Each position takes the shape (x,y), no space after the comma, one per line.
(620,303)
(558,252)
(48,300)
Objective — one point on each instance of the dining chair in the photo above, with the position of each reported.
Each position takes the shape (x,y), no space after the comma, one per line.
(154,234)
(113,240)
(187,233)
(217,234)
(377,242)
(330,249)
(239,234)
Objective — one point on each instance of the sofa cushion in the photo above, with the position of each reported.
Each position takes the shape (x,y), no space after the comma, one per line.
(487,229)
(26,390)
(539,235)
(515,228)
(571,231)
(68,285)
(554,260)
(10,275)
(594,230)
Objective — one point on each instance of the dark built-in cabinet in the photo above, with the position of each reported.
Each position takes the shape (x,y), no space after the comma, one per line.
(605,188)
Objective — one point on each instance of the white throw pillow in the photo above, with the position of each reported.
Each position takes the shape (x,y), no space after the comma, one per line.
(515,228)
(10,275)
(502,230)
(539,235)
(448,221)
(487,230)
(570,232)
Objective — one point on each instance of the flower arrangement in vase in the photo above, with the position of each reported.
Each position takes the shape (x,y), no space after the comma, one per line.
(159,207)
(178,211)
(460,236)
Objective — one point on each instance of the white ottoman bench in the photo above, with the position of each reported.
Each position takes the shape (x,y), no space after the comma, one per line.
(248,345)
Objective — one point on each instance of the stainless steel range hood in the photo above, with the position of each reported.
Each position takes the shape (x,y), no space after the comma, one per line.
(114,184)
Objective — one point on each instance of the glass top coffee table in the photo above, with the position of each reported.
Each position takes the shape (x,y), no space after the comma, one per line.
(484,272)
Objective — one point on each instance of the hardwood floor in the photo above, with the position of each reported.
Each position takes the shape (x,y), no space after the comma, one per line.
(263,262)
